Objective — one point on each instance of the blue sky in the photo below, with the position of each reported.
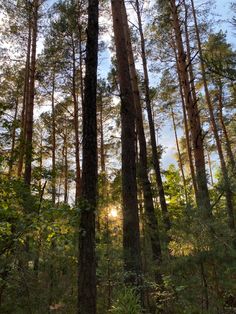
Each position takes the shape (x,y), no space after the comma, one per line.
(223,8)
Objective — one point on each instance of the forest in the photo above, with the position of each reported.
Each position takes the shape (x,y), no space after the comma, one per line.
(117,157)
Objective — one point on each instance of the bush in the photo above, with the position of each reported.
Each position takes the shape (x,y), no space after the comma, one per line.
(127,302)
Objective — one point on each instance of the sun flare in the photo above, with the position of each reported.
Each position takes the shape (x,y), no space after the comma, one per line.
(113,213)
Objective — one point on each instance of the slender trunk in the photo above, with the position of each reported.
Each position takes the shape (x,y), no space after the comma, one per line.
(25,101)
(217,289)
(228,192)
(53,244)
(155,158)
(81,86)
(131,235)
(186,129)
(210,167)
(65,157)
(59,190)
(205,285)
(102,149)
(224,129)
(87,260)
(81,65)
(76,126)
(28,128)
(203,199)
(41,192)
(189,63)
(30,104)
(53,142)
(179,156)
(144,244)
(40,161)
(189,59)
(103,191)
(143,163)
(190,67)
(52,273)
(108,247)
(13,140)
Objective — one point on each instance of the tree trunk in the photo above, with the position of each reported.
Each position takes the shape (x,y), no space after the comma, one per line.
(203,199)
(80,55)
(228,192)
(189,59)
(76,126)
(41,189)
(186,128)
(25,101)
(53,244)
(155,158)
(210,167)
(53,142)
(205,285)
(30,103)
(102,149)
(224,129)
(65,161)
(179,155)
(13,140)
(103,191)
(152,222)
(87,261)
(131,235)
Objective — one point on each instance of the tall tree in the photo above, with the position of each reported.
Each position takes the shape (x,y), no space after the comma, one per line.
(219,64)
(228,192)
(155,157)
(167,94)
(152,222)
(53,140)
(87,261)
(203,199)
(29,111)
(131,235)
(26,90)
(186,127)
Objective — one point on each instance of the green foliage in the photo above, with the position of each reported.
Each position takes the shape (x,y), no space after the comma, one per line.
(219,57)
(127,302)
(34,247)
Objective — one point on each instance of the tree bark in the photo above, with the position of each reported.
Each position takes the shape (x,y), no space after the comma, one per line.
(87,261)
(203,199)
(179,156)
(76,126)
(103,191)
(25,100)
(155,158)
(102,149)
(152,222)
(30,103)
(53,142)
(228,192)
(190,69)
(210,167)
(65,162)
(80,55)
(186,128)
(13,140)
(224,129)
(131,235)
(53,244)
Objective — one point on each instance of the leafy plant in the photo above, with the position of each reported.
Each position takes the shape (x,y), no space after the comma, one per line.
(127,302)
